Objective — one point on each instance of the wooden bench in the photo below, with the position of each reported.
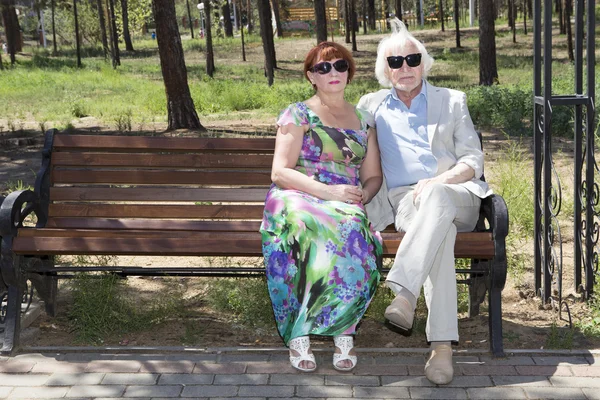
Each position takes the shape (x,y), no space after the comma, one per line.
(175,196)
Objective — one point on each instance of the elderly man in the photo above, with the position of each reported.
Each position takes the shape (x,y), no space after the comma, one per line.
(432,163)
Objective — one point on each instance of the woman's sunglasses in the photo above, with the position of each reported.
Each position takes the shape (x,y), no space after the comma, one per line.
(412,60)
(324,67)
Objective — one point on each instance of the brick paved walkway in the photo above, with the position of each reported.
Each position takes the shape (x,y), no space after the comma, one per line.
(266,374)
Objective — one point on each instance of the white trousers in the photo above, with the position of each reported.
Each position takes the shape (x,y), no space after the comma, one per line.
(425,257)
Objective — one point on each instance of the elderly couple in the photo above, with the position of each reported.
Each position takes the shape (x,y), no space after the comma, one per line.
(408,155)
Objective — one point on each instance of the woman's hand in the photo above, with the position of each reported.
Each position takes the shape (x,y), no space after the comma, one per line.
(346,193)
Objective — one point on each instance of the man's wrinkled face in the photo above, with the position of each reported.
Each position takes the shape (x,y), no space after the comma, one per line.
(406,78)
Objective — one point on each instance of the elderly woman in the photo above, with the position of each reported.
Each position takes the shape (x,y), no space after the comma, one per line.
(322,257)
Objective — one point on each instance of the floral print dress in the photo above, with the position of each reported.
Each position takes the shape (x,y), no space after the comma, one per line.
(322,258)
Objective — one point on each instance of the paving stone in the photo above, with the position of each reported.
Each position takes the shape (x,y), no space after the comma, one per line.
(557,360)
(381,392)
(521,381)
(271,368)
(130,379)
(591,394)
(297,379)
(230,368)
(585,371)
(575,381)
(437,393)
(512,360)
(38,392)
(362,369)
(470,381)
(562,370)
(153,391)
(23,379)
(244,358)
(241,379)
(87,357)
(487,370)
(62,379)
(16,367)
(401,360)
(351,380)
(405,381)
(324,391)
(185,379)
(267,391)
(5,390)
(59,367)
(168,367)
(554,393)
(96,391)
(209,391)
(496,393)
(114,366)
(196,358)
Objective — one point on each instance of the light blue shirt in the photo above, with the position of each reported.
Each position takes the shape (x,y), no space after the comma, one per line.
(406,155)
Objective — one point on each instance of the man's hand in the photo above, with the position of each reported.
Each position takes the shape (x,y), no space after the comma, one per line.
(421,185)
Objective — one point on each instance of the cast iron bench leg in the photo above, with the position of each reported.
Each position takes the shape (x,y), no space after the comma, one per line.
(12,322)
(495,321)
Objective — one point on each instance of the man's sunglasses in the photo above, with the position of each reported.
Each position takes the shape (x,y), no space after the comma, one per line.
(324,67)
(412,60)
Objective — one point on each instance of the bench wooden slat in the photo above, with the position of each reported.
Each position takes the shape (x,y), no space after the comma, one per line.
(74,193)
(157,211)
(136,246)
(117,234)
(141,160)
(145,177)
(130,144)
(153,224)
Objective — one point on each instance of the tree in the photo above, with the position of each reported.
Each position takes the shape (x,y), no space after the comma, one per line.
(371,14)
(189,13)
(249,16)
(210,55)
(180,106)
(77,40)
(353,24)
(114,39)
(320,21)
(102,22)
(457,25)
(398,9)
(442,15)
(488,71)
(53,8)
(11,29)
(568,13)
(266,33)
(226,12)
(347,21)
(278,26)
(125,17)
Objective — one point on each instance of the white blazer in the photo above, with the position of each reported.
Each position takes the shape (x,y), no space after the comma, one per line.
(452,138)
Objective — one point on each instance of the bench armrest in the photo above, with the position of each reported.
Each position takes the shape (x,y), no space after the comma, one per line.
(15,208)
(495,212)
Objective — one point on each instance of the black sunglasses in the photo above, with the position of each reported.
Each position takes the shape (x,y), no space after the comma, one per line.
(324,67)
(412,60)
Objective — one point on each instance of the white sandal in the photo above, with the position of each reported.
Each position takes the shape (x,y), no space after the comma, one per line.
(345,343)
(301,345)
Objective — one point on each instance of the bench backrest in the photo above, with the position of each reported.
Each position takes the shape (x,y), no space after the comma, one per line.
(156,182)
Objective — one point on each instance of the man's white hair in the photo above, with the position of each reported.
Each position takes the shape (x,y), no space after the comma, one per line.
(394,44)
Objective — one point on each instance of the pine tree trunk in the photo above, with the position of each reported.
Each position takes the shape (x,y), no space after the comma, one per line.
(210,54)
(126,35)
(488,71)
(456,16)
(114,39)
(189,13)
(568,12)
(353,24)
(364,16)
(54,49)
(347,20)
(266,33)
(226,12)
(275,5)
(102,22)
(249,16)
(441,15)
(398,9)
(320,20)
(77,41)
(180,106)
(371,15)
(559,14)
(11,30)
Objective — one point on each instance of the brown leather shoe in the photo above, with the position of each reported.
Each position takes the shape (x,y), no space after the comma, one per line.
(439,368)
(400,313)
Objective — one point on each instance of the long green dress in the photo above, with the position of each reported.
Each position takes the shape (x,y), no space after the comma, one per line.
(322,258)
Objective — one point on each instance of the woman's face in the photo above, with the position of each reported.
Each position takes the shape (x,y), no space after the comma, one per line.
(330,75)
